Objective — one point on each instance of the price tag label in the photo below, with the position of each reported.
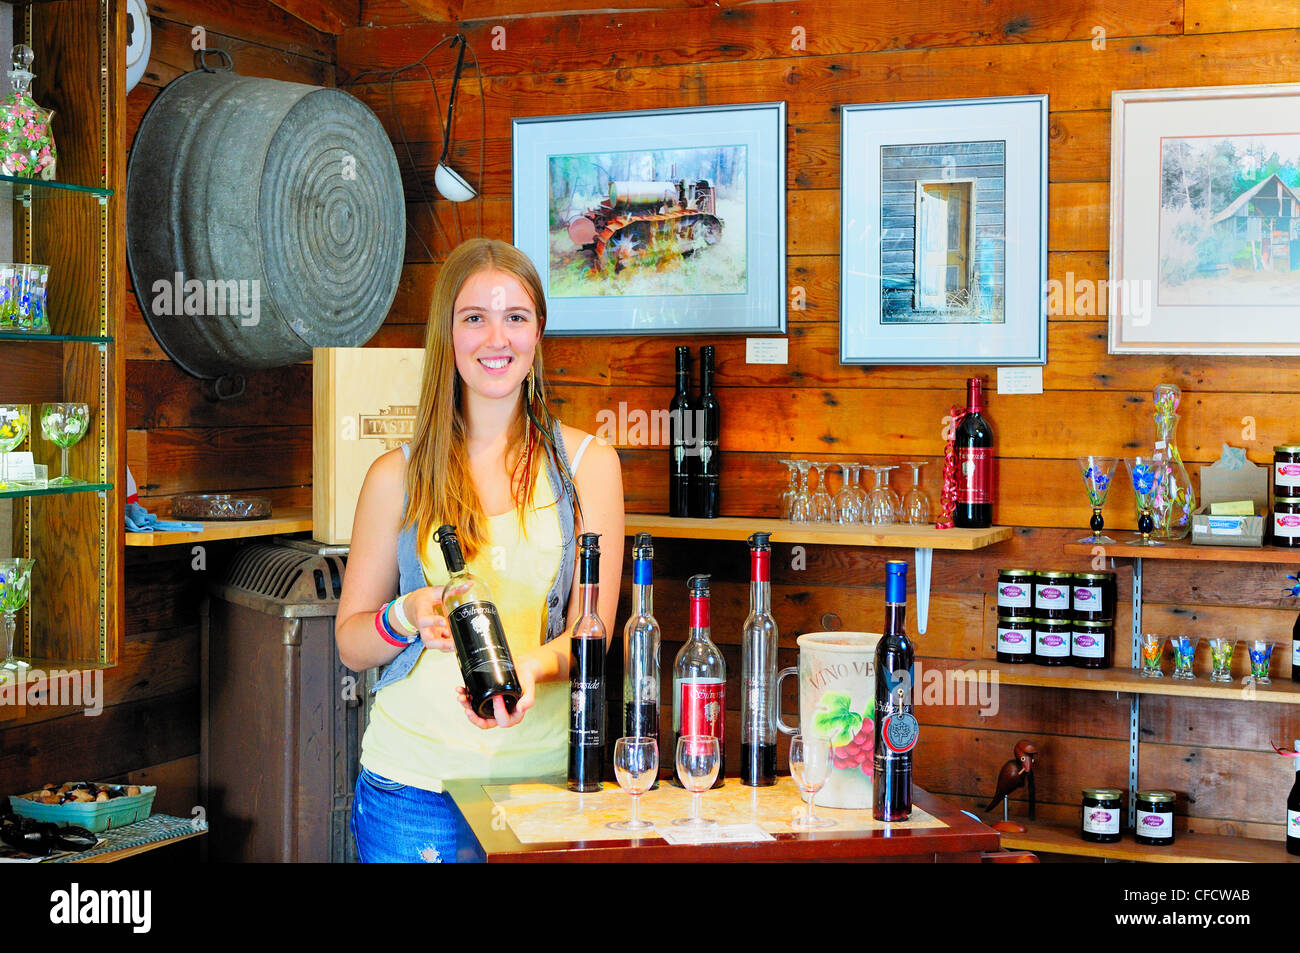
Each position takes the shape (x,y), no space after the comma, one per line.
(1020,380)
(767,350)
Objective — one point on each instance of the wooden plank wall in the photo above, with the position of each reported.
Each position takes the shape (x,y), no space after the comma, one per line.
(679,53)
(179,440)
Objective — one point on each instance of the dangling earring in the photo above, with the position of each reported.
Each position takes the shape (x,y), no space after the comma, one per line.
(530,387)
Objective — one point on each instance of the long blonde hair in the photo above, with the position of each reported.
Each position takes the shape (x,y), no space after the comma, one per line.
(439,484)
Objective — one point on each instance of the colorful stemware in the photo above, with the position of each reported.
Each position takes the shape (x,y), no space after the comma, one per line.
(1152,647)
(1184,647)
(1098,473)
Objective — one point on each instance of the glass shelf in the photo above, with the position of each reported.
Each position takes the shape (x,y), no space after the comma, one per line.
(21,336)
(55,490)
(27,190)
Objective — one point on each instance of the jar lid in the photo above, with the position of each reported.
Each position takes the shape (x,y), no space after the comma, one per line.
(1041,621)
(1015,572)
(1103,794)
(1095,623)
(1286,499)
(1094,575)
(1157,796)
(1287,448)
(1015,619)
(1055,574)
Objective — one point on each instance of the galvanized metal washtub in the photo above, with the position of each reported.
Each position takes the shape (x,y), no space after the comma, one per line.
(271,213)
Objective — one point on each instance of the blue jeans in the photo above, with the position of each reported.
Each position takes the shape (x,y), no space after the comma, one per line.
(396,823)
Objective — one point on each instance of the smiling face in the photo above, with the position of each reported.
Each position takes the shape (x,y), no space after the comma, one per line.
(495,331)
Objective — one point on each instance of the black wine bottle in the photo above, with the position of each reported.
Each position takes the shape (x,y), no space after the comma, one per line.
(974,446)
(485,662)
(1295,650)
(681,426)
(1293,811)
(708,484)
(587,676)
(895,726)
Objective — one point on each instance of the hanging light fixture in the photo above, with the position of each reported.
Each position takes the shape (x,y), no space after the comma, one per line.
(449,183)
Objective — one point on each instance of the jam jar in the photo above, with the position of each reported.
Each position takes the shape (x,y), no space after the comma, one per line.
(1155,818)
(1015,638)
(1015,591)
(1093,596)
(1286,521)
(1052,595)
(1286,470)
(1092,643)
(1101,815)
(1052,641)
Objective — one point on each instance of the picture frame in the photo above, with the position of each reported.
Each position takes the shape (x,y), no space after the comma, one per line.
(1205,220)
(943,248)
(655,221)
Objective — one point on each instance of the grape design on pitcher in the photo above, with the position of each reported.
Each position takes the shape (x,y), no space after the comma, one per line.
(851,734)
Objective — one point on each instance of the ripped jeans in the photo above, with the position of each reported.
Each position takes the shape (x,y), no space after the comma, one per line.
(396,823)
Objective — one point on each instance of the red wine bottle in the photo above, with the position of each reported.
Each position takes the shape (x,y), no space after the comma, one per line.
(681,426)
(700,682)
(974,445)
(587,676)
(707,486)
(1293,811)
(895,727)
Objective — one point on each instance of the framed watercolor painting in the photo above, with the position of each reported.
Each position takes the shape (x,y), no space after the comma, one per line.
(1205,220)
(943,255)
(667,220)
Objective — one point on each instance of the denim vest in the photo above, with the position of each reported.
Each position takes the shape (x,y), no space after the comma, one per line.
(412,573)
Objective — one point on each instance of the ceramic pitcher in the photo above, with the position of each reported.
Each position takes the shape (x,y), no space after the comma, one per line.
(837,699)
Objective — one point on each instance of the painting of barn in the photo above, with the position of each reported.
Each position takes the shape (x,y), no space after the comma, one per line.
(1262,227)
(943,229)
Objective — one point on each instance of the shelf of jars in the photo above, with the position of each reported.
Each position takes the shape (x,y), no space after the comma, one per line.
(1187,848)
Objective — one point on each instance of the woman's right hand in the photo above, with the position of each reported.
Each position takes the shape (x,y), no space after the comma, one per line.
(424,608)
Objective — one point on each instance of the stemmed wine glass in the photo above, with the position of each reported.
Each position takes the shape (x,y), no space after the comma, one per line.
(698,763)
(791,491)
(63,425)
(916,505)
(800,506)
(820,501)
(882,502)
(1097,474)
(810,766)
(1147,478)
(847,502)
(636,765)
(15,587)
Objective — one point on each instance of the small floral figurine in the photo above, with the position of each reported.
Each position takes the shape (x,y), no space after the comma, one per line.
(26,143)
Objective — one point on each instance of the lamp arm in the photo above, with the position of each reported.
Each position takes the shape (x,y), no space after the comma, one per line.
(457,40)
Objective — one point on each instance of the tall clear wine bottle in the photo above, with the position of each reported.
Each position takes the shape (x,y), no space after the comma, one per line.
(758,641)
(682,460)
(974,446)
(485,662)
(700,681)
(708,485)
(641,650)
(896,727)
(587,676)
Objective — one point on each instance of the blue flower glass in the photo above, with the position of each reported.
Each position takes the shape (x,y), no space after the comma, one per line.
(1098,473)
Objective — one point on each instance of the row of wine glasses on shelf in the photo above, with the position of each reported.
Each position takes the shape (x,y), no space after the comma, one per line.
(812,502)
(1154,493)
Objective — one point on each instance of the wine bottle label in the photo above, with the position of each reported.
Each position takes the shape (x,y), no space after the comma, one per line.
(1286,524)
(1087,598)
(587,693)
(1153,824)
(1014,641)
(709,458)
(1050,644)
(479,638)
(1101,820)
(974,466)
(1053,597)
(1011,596)
(1293,823)
(1087,646)
(1295,653)
(900,731)
(702,706)
(1286,475)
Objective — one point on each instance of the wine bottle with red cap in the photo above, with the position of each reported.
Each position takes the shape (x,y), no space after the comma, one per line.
(700,680)
(758,641)
(974,446)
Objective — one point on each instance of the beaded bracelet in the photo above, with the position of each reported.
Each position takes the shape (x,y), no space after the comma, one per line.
(386,631)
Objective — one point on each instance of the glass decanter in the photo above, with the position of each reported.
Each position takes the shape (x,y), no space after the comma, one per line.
(1178,501)
(26,143)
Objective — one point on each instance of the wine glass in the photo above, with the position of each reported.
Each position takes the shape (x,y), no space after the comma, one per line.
(800,506)
(810,766)
(847,505)
(636,765)
(1221,649)
(916,505)
(1152,650)
(698,763)
(1261,653)
(15,422)
(1097,474)
(882,502)
(1147,478)
(820,501)
(15,587)
(63,425)
(791,491)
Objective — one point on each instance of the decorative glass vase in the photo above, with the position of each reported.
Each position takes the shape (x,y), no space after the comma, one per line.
(26,143)
(1178,500)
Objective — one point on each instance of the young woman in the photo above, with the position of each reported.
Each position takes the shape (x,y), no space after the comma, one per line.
(488,458)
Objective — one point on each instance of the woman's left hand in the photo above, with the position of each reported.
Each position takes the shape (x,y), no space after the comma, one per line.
(525,670)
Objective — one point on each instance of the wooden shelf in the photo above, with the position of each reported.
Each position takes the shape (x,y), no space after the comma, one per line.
(1128,680)
(292,519)
(901,535)
(1186,848)
(1226,554)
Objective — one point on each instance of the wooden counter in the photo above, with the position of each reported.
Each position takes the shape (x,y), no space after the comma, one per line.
(484,835)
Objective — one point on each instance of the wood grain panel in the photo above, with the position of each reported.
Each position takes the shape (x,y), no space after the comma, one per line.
(160,395)
(257,21)
(228,458)
(172,55)
(1220,782)
(1215,16)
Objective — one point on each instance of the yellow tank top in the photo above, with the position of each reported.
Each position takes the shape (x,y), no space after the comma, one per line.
(418,732)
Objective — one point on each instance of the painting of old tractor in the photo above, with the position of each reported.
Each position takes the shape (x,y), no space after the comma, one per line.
(642,224)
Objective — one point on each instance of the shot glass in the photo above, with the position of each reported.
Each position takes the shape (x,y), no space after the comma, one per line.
(1221,659)
(1184,647)
(1261,654)
(1152,652)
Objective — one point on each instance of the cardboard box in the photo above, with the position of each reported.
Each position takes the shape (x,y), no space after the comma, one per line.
(1220,486)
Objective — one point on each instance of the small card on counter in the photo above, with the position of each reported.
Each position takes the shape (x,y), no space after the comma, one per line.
(22,468)
(719,834)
